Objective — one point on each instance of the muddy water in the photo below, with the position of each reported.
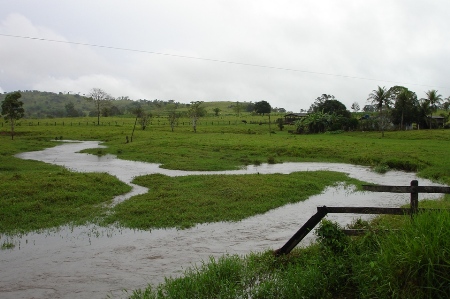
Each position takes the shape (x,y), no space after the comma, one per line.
(93,262)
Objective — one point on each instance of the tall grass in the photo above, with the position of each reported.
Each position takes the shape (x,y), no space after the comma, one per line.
(413,262)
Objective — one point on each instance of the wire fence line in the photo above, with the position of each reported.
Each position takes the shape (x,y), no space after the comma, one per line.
(131,123)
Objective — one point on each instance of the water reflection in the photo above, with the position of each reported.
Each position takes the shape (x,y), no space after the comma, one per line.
(92,262)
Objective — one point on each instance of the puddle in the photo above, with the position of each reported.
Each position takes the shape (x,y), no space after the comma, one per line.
(94,262)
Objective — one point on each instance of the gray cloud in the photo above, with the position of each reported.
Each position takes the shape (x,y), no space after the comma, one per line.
(346,48)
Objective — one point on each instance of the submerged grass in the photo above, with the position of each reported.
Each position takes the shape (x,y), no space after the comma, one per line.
(32,201)
(36,195)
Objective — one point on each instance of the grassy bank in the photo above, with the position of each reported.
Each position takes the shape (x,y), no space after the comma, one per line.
(410,263)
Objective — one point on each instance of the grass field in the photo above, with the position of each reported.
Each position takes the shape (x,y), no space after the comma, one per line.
(29,185)
(412,263)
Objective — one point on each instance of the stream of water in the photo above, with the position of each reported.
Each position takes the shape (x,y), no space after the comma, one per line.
(94,262)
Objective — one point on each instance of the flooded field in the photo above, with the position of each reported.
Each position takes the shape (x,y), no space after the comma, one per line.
(94,262)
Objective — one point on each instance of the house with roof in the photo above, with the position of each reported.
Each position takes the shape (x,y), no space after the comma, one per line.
(291,118)
(436,121)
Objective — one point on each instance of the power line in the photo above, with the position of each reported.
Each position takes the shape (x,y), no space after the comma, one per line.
(211,60)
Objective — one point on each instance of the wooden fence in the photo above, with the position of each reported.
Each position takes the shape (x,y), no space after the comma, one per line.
(414,189)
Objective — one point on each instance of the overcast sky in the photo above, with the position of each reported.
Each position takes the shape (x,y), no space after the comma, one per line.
(285,52)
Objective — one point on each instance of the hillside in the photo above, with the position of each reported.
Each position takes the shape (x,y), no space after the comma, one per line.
(42,104)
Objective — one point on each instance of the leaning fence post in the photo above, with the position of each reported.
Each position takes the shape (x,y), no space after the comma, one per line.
(414,197)
(303,231)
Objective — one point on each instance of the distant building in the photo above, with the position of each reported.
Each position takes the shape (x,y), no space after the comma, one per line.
(291,118)
(437,121)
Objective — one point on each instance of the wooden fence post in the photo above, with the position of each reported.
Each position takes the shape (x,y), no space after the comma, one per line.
(414,197)
(303,231)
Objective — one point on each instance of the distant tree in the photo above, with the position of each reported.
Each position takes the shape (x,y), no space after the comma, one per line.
(264,107)
(355,107)
(195,112)
(114,110)
(250,107)
(319,101)
(237,108)
(101,99)
(406,105)
(424,112)
(446,104)
(70,110)
(337,114)
(332,106)
(142,117)
(12,109)
(380,97)
(280,123)
(216,111)
(433,99)
(173,117)
(369,108)
(314,122)
(105,111)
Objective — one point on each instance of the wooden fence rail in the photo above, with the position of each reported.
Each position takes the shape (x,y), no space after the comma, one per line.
(414,189)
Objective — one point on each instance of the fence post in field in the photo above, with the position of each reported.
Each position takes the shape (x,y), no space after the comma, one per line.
(414,197)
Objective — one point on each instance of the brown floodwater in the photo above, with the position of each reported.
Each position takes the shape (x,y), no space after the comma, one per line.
(94,262)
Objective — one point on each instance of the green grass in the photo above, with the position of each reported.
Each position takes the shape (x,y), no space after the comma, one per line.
(223,146)
(185,201)
(36,195)
(413,262)
(410,263)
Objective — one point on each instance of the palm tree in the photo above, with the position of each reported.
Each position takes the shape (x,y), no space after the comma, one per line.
(380,97)
(433,99)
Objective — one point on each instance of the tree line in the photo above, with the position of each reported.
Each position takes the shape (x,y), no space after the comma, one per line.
(396,106)
(393,108)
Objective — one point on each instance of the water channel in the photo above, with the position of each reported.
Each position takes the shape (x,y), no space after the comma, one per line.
(94,262)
